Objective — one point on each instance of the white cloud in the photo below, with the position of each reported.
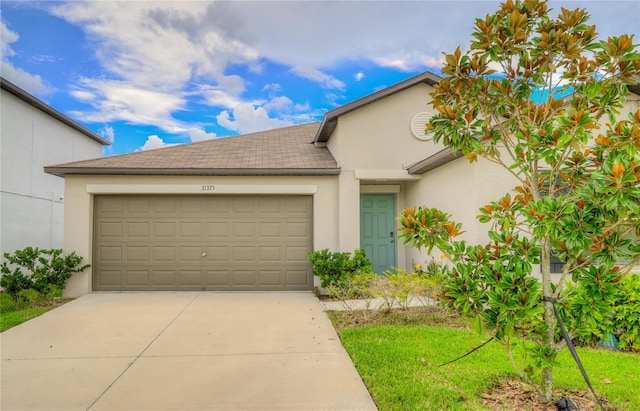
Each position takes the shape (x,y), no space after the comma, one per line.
(246,118)
(358,76)
(279,104)
(333,99)
(108,133)
(272,88)
(83,95)
(159,45)
(321,34)
(29,82)
(302,107)
(6,38)
(198,134)
(325,80)
(217,97)
(399,64)
(234,84)
(152,51)
(153,142)
(165,44)
(43,58)
(119,100)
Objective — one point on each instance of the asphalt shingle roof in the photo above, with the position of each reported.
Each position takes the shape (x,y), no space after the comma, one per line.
(283,151)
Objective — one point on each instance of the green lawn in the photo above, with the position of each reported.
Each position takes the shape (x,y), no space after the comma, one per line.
(391,361)
(10,317)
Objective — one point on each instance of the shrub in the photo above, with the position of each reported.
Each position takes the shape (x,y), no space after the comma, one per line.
(402,286)
(13,282)
(432,275)
(29,295)
(52,293)
(334,268)
(627,309)
(623,321)
(356,287)
(33,268)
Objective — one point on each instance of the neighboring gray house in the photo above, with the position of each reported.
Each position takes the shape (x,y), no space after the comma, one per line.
(32,135)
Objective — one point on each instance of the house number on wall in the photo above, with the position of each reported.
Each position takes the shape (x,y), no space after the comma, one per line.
(208,187)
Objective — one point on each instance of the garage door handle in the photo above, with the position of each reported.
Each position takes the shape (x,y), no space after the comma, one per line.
(204,254)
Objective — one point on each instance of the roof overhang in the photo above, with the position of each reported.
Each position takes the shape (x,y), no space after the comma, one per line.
(63,171)
(28,98)
(384,175)
(434,161)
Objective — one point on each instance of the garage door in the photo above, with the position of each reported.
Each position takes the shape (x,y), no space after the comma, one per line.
(178,242)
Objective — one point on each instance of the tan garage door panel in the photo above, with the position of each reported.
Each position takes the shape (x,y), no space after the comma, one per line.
(202,242)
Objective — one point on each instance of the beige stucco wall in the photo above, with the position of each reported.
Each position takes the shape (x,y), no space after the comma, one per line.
(79,192)
(378,136)
(459,188)
(631,105)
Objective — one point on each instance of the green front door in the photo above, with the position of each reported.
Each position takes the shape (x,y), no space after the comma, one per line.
(378,230)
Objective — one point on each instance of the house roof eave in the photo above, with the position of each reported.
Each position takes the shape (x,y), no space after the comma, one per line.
(63,171)
(29,99)
(330,119)
(436,160)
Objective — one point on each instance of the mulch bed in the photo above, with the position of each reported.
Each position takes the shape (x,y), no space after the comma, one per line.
(514,395)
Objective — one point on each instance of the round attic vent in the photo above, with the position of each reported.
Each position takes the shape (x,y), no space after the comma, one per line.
(418,125)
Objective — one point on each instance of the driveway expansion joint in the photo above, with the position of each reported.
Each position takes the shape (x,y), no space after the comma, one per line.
(135,359)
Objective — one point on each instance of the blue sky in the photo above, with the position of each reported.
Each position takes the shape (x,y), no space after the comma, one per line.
(144,74)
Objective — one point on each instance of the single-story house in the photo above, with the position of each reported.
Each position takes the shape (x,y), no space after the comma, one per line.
(33,135)
(240,213)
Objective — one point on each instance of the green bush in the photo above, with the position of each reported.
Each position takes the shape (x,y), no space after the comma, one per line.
(334,268)
(401,286)
(432,275)
(45,271)
(627,309)
(13,282)
(52,292)
(355,287)
(624,318)
(29,295)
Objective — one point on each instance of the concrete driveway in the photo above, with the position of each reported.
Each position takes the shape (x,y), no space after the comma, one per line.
(180,351)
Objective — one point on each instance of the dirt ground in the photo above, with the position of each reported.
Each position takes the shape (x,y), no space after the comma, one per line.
(515,395)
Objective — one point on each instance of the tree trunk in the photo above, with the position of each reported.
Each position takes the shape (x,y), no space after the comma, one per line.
(549,317)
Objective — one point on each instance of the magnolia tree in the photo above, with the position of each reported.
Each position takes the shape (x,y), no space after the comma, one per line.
(541,97)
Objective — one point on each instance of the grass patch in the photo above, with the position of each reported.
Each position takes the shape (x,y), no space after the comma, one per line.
(398,363)
(11,319)
(10,316)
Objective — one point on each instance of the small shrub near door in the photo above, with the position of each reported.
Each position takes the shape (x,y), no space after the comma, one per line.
(45,272)
(358,287)
(334,268)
